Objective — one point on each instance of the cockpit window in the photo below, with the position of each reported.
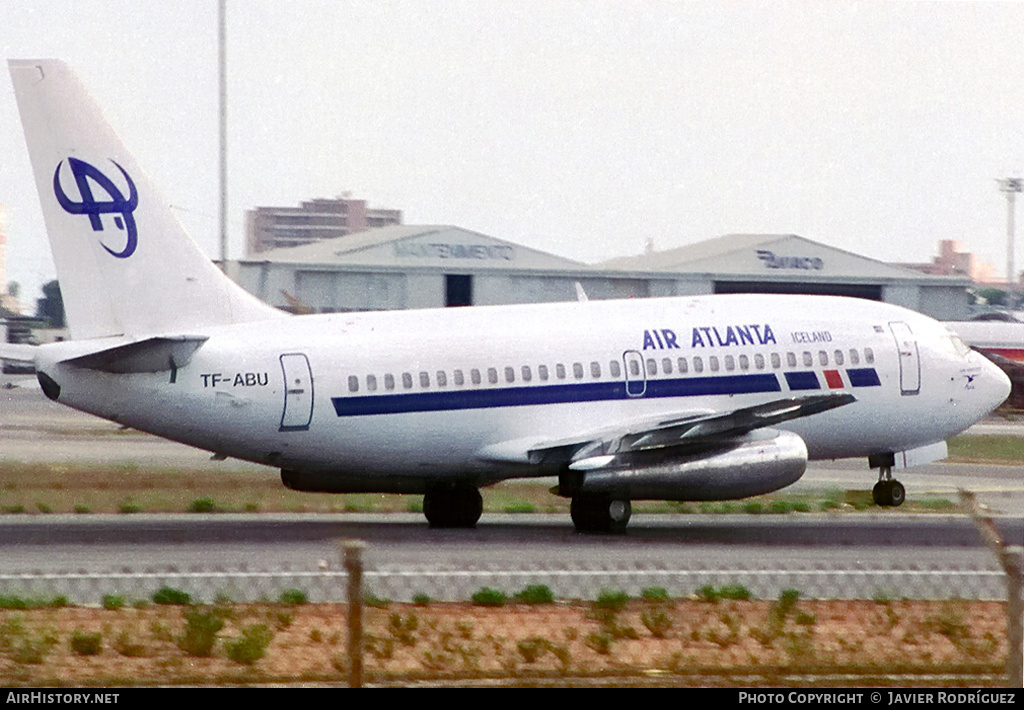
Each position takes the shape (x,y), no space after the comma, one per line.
(959,345)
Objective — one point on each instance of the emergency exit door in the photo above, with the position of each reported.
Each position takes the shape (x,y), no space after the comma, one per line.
(636,375)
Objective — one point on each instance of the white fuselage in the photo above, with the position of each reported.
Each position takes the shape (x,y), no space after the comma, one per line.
(430,393)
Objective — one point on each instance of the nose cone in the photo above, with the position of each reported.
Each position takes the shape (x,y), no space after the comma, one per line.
(992,384)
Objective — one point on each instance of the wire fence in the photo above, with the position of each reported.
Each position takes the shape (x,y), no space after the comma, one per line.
(813,581)
(352,625)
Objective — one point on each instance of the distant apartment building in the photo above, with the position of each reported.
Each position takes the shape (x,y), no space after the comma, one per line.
(3,251)
(8,301)
(313,221)
(952,261)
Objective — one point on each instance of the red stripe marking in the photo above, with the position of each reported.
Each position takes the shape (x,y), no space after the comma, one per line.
(834,379)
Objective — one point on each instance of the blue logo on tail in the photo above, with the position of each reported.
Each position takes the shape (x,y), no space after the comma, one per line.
(117,204)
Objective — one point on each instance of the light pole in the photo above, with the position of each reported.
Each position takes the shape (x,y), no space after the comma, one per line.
(1011,186)
(222,86)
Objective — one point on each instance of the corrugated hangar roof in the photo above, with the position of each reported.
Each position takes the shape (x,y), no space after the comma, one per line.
(761,255)
(418,245)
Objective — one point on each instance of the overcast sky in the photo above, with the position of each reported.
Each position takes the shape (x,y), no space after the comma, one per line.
(580,128)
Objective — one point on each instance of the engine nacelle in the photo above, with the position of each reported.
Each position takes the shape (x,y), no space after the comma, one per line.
(760,462)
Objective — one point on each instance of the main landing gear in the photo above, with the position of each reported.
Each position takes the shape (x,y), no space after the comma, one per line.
(888,491)
(453,507)
(600,514)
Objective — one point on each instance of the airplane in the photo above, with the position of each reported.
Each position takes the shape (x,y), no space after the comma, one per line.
(683,398)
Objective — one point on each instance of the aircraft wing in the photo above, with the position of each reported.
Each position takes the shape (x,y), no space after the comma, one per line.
(708,430)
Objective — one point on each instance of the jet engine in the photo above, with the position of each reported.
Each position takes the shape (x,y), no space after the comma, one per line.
(758,462)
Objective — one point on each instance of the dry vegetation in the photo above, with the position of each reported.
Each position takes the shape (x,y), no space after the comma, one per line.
(675,641)
(34,489)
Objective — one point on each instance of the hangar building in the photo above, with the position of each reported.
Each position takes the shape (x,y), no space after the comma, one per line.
(416,266)
(787,263)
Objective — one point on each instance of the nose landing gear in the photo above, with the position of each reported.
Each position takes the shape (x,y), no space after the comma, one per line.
(888,492)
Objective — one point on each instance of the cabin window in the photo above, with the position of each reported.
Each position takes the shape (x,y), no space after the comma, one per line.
(759,361)
(808,359)
(634,368)
(560,371)
(577,370)
(389,382)
(791,359)
(353,383)
(474,376)
(407,380)
(442,378)
(869,356)
(542,372)
(682,365)
(839,357)
(730,363)
(424,379)
(527,374)
(776,361)
(698,364)
(510,374)
(371,383)
(595,369)
(652,367)
(614,369)
(854,357)
(492,375)
(823,358)
(666,366)
(713,363)
(744,362)
(458,378)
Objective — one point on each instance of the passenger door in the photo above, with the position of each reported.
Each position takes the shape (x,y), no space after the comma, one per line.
(910,358)
(298,392)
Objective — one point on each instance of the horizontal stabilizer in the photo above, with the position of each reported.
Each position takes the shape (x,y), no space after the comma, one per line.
(149,355)
(18,352)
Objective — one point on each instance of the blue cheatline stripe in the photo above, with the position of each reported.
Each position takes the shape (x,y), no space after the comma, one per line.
(864,377)
(802,381)
(547,394)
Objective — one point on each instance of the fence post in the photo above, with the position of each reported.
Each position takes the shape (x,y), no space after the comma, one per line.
(1010,558)
(353,553)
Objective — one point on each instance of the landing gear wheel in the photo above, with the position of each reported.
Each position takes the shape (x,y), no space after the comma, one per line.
(458,507)
(889,492)
(880,493)
(600,514)
(897,493)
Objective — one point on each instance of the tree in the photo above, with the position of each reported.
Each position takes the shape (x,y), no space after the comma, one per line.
(992,296)
(51,306)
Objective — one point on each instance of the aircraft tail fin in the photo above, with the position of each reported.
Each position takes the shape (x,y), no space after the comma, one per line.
(125,264)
